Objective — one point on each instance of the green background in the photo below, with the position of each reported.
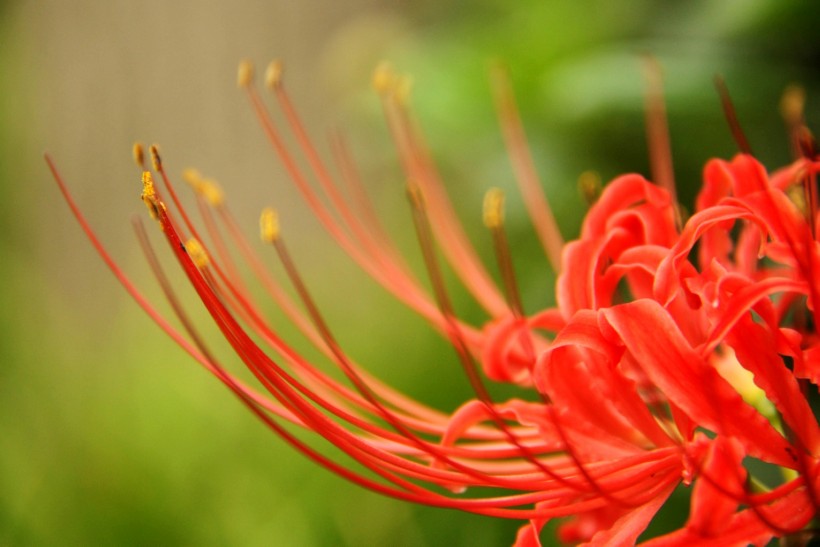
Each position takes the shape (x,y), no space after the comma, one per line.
(109,435)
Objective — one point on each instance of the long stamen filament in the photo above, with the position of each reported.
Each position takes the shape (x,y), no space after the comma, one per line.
(731,116)
(494,221)
(657,131)
(524,166)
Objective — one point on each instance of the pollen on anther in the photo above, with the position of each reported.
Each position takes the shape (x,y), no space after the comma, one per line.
(244,76)
(197,253)
(384,78)
(269,225)
(156,161)
(494,208)
(207,188)
(273,74)
(139,155)
(148,191)
(149,194)
(792,104)
(589,183)
(193,177)
(212,192)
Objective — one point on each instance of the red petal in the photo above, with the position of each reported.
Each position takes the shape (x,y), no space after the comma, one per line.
(755,349)
(528,534)
(625,530)
(579,371)
(621,194)
(655,342)
(717,492)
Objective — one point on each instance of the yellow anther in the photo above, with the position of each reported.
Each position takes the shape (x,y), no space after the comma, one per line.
(207,188)
(156,161)
(244,77)
(149,195)
(192,177)
(197,253)
(273,74)
(139,155)
(212,192)
(494,208)
(269,225)
(148,191)
(792,104)
(589,183)
(384,79)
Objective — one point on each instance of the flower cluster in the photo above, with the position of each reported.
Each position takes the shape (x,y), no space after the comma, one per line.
(681,350)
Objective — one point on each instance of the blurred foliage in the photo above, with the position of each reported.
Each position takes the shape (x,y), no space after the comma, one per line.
(577,71)
(93,449)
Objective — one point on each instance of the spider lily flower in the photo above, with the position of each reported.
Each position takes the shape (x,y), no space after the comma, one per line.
(679,353)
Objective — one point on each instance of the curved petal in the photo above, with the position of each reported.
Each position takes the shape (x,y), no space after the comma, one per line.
(716,494)
(655,343)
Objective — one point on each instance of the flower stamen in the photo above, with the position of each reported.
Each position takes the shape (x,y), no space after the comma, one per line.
(197,253)
(138,154)
(731,116)
(149,195)
(269,225)
(526,175)
(657,131)
(273,75)
(244,74)
(589,184)
(494,221)
(792,107)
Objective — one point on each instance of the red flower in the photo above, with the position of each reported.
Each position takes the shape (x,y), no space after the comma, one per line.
(678,352)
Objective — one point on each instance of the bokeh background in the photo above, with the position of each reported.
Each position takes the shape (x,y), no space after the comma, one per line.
(109,435)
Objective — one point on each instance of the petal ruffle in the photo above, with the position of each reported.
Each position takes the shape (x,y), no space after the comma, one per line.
(653,340)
